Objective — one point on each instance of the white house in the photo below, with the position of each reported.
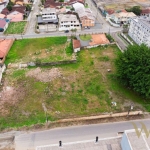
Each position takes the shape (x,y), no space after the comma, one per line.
(68,22)
(139,31)
(3,4)
(78,6)
(48,15)
(122,17)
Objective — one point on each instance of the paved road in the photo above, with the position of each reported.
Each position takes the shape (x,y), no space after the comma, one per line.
(60,33)
(32,20)
(121,43)
(72,134)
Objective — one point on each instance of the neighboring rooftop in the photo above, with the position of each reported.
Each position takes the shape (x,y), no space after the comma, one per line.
(145,11)
(2,23)
(76,44)
(67,17)
(124,14)
(87,13)
(5,45)
(48,10)
(98,39)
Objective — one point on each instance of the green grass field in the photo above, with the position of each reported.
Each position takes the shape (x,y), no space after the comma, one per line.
(44,49)
(85,37)
(16,27)
(83,89)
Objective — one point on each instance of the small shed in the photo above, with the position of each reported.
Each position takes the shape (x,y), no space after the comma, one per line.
(76,45)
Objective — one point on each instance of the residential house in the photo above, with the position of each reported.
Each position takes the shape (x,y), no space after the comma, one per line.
(68,22)
(5,11)
(5,45)
(2,6)
(98,39)
(15,16)
(146,12)
(21,9)
(139,30)
(48,15)
(122,17)
(57,5)
(76,45)
(3,25)
(87,17)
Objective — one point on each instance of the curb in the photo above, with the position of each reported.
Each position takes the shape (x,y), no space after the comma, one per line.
(124,114)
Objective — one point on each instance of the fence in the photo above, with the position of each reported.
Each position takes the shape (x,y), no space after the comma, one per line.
(57,63)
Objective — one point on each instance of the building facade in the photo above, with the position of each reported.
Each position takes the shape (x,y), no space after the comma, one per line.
(87,17)
(68,22)
(139,31)
(48,15)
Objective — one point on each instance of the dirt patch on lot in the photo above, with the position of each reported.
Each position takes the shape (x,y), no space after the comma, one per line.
(9,96)
(44,75)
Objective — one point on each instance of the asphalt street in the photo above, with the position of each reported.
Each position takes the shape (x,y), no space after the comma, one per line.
(72,134)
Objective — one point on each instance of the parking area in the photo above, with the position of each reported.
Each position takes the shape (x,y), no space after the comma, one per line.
(48,28)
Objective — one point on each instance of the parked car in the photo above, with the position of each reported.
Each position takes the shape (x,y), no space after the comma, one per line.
(66,31)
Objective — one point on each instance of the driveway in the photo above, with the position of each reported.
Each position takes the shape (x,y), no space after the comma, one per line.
(83,43)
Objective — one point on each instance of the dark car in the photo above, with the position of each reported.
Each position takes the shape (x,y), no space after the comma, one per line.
(66,31)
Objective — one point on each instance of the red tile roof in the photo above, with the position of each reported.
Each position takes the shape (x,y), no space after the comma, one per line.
(145,11)
(5,45)
(76,44)
(20,9)
(2,23)
(53,4)
(110,11)
(5,11)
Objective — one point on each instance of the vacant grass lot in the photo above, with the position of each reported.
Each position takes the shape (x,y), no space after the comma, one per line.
(85,37)
(16,27)
(85,88)
(44,49)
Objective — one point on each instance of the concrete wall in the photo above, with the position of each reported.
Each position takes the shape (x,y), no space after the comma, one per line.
(76,50)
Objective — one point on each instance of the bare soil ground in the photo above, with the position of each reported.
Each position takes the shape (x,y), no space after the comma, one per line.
(46,75)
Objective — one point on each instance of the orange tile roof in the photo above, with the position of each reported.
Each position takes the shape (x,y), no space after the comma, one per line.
(5,45)
(76,44)
(98,39)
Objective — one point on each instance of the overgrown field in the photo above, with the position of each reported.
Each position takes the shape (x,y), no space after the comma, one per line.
(16,27)
(43,49)
(82,89)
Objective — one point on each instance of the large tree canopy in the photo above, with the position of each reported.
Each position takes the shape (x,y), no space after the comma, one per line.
(135,9)
(133,68)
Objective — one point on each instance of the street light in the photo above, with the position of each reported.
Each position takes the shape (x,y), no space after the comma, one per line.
(131,108)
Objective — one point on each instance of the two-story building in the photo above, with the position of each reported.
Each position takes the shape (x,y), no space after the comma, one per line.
(48,15)
(139,31)
(87,18)
(122,17)
(68,22)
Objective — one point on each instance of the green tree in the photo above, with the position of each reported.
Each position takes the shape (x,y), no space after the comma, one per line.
(28,7)
(135,9)
(9,6)
(133,69)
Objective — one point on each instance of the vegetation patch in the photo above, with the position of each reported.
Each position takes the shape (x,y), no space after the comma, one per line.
(41,50)
(85,37)
(16,27)
(73,90)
